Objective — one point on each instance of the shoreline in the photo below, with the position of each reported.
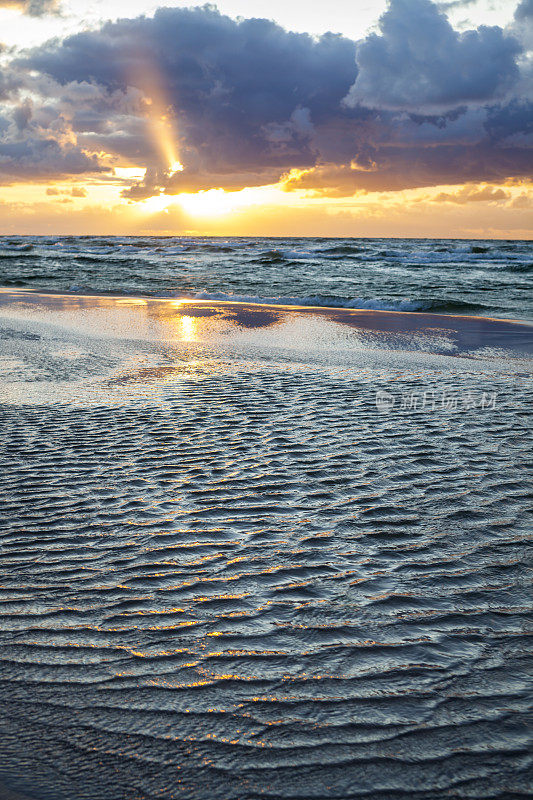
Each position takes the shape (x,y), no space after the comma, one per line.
(191,301)
(307,329)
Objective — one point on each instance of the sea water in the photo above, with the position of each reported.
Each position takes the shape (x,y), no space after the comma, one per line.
(445,276)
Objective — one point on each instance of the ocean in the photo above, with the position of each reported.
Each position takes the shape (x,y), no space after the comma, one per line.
(262,537)
(492,278)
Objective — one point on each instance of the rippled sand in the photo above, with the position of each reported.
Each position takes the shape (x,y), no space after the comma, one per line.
(227,573)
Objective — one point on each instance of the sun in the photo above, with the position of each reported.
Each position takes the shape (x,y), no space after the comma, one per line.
(213,203)
(210,203)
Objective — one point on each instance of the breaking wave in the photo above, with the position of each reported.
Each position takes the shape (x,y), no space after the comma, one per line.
(331,301)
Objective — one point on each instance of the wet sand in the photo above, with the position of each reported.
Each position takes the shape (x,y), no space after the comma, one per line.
(261,552)
(465,332)
(9,794)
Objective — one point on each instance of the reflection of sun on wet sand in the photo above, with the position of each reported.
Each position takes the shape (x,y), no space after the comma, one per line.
(195,320)
(101,346)
(80,345)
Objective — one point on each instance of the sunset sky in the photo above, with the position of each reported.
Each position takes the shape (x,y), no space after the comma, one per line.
(345,118)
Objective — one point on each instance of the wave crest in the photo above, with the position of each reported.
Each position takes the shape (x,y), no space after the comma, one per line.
(333,301)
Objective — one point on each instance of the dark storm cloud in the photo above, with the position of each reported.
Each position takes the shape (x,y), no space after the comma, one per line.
(416,104)
(211,64)
(35,8)
(510,120)
(396,168)
(244,92)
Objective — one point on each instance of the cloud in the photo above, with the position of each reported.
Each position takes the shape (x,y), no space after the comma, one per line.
(395,169)
(473,194)
(76,191)
(36,142)
(514,119)
(35,8)
(523,26)
(35,158)
(419,61)
(244,102)
(448,5)
(245,94)
(524,11)
(10,82)
(523,200)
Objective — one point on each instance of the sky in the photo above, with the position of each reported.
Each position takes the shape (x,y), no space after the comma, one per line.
(346,118)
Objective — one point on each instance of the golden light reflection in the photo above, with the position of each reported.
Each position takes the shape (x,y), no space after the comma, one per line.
(130,301)
(188,326)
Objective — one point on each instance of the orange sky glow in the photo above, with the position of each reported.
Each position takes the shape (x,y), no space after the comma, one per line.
(95,206)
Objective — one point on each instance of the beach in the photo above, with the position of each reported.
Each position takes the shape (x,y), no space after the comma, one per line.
(266,381)
(256,550)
